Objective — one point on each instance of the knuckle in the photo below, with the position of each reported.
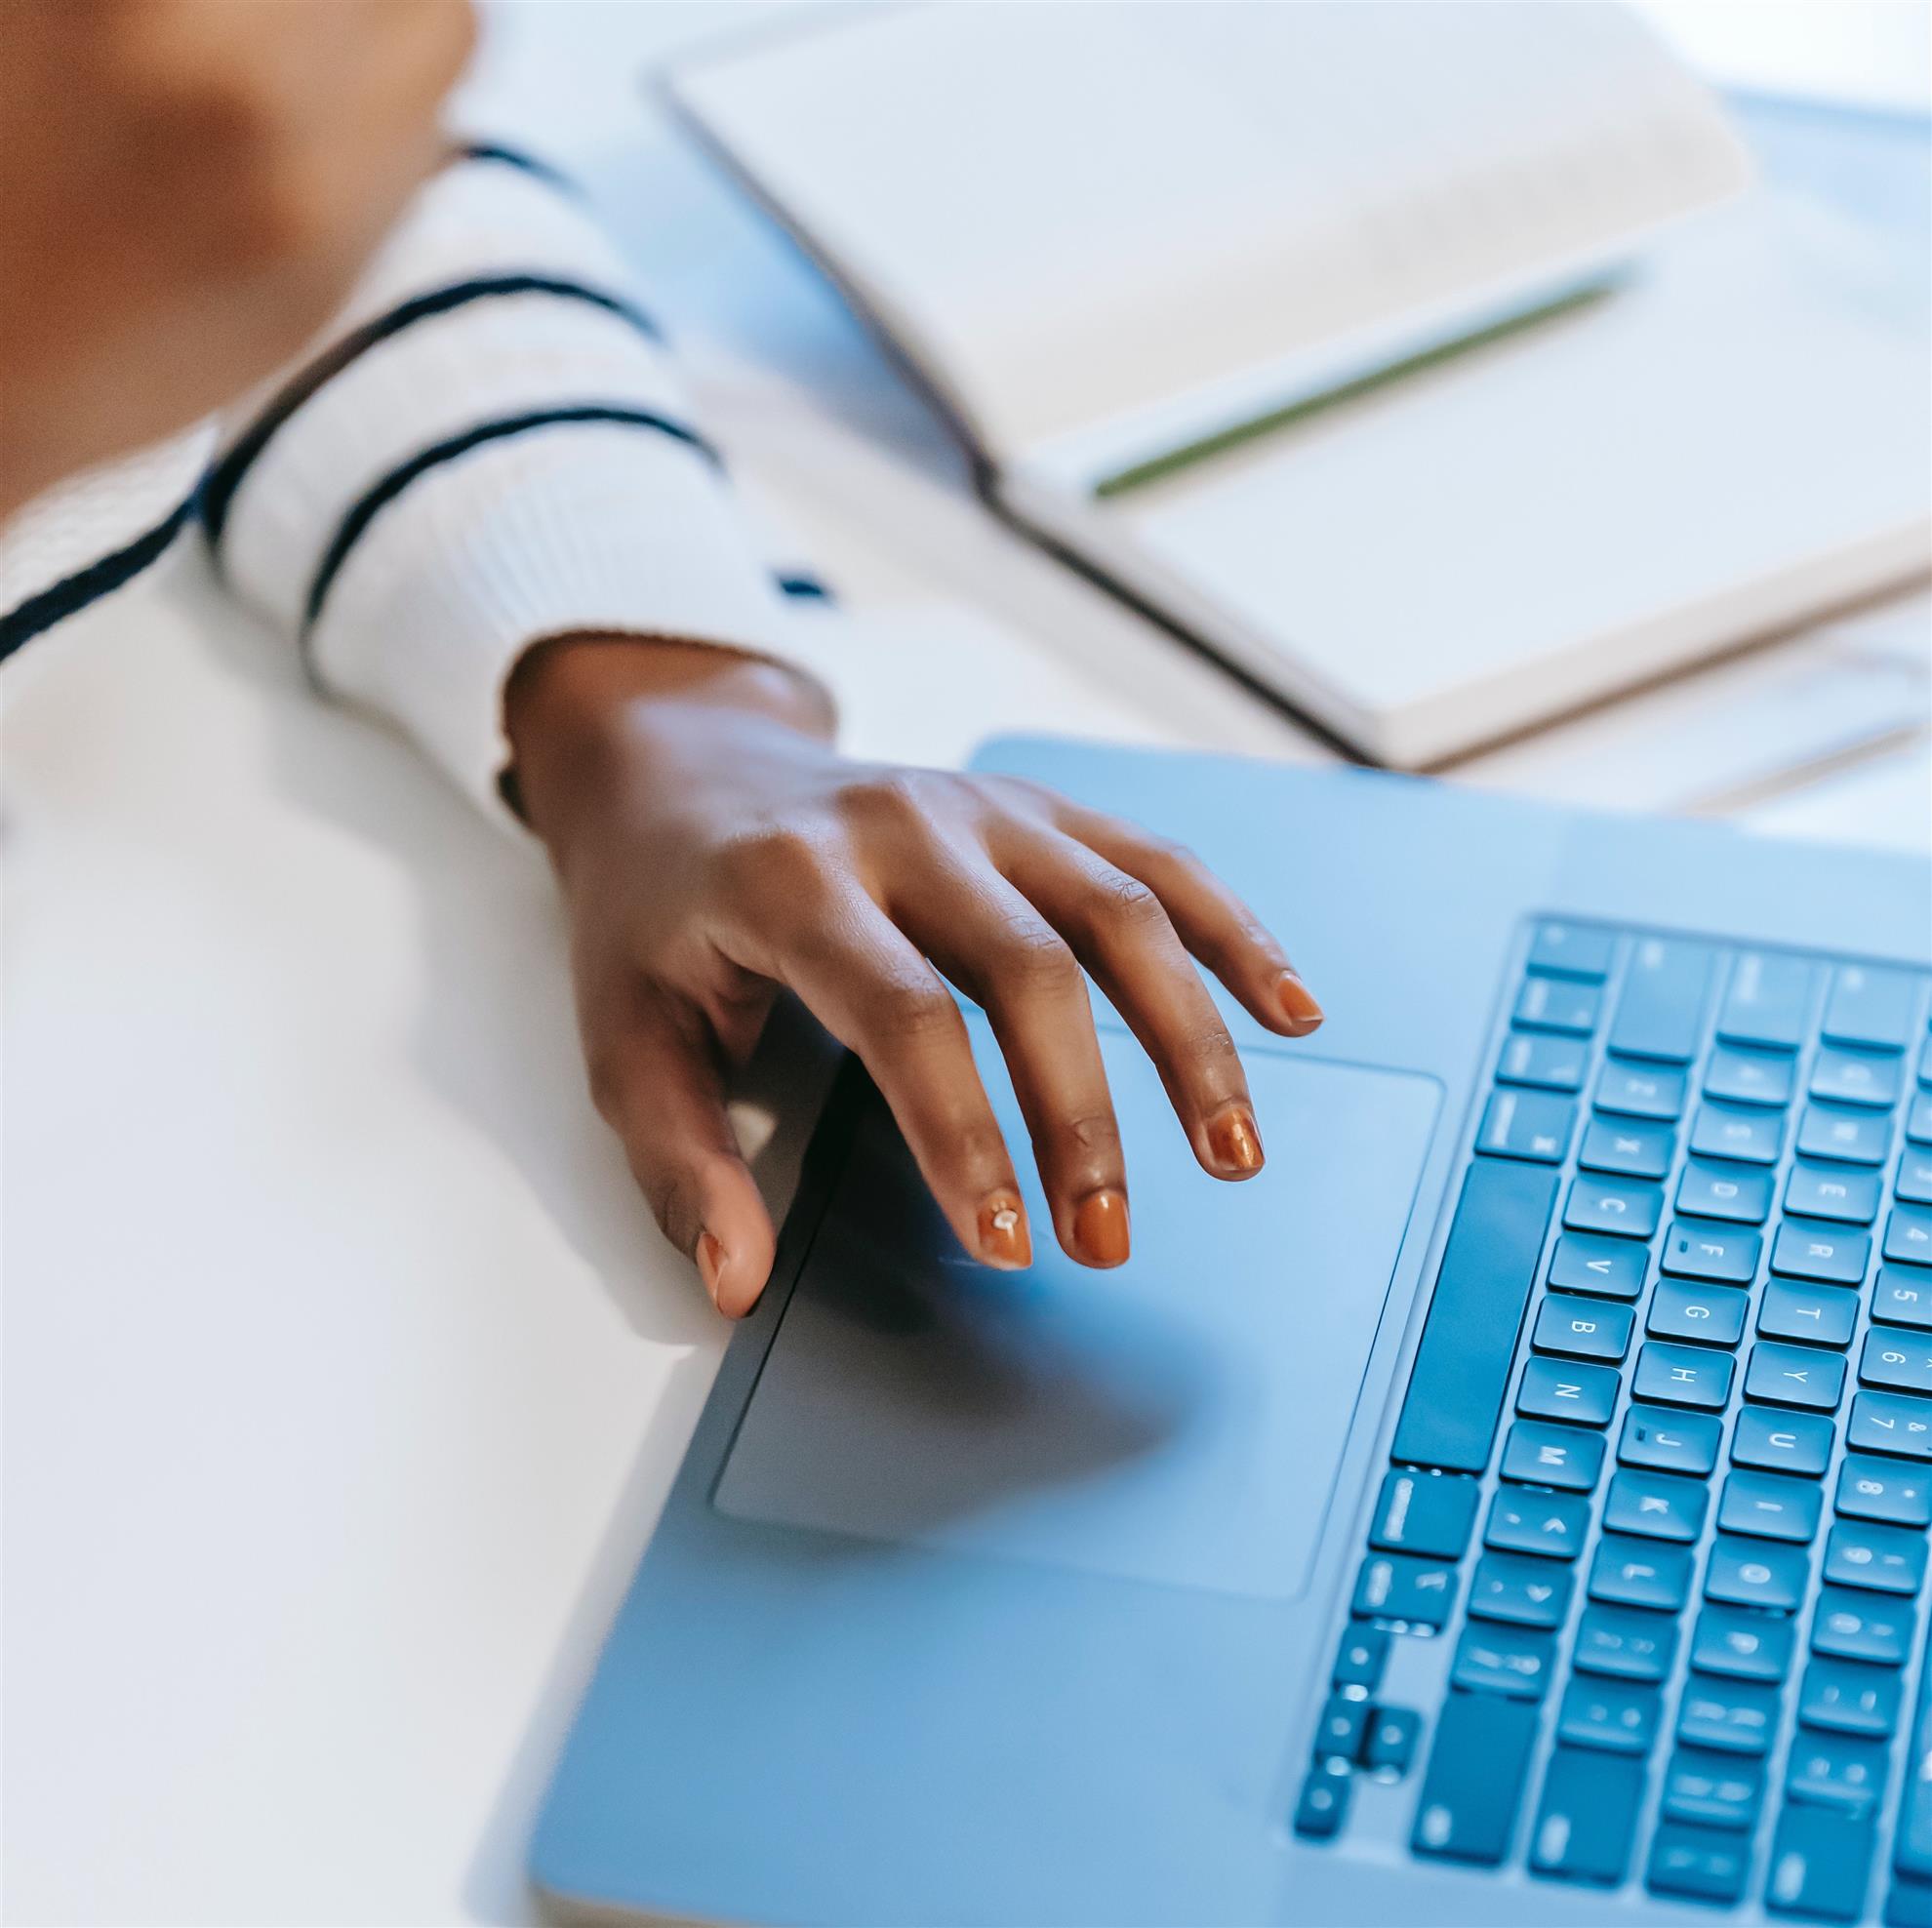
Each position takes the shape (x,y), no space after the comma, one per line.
(775,864)
(887,798)
(1125,900)
(1093,1134)
(1032,958)
(913,1010)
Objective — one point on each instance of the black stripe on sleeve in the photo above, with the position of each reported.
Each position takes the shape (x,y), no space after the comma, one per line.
(381,494)
(218,492)
(67,597)
(501,155)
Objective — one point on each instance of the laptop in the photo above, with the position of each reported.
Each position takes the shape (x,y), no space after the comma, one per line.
(1511,1507)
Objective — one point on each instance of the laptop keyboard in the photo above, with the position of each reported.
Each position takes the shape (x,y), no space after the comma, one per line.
(1659,1493)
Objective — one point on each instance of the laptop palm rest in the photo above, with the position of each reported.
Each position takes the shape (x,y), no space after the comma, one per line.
(1178,1421)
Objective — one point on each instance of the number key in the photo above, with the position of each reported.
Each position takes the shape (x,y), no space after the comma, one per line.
(1856,1077)
(1891,1359)
(1888,1559)
(1909,1235)
(1884,1490)
(1903,1296)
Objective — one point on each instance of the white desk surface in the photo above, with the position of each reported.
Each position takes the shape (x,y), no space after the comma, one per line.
(345,1373)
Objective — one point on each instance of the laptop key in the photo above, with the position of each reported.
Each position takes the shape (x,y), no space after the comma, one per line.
(1672,1442)
(1891,1423)
(1909,1235)
(1870,1005)
(1741,1645)
(1389,1745)
(1903,1296)
(1730,1131)
(1618,1716)
(1339,1730)
(1425,1512)
(1730,1716)
(1836,1771)
(1555,1389)
(1915,1184)
(1628,1149)
(1713,1789)
(1626,1642)
(1854,1138)
(1683,1376)
(1656,1505)
(1462,1368)
(1559,1456)
(1640,1091)
(1587,1816)
(1832,1192)
(1756,1573)
(1884,1490)
(1918,1119)
(1513,1587)
(1581,1328)
(1856,1077)
(1323,1805)
(1892,1360)
(1911,1847)
(1738,1193)
(1771,1506)
(1862,1627)
(1572,950)
(1557,1004)
(1702,1864)
(1850,1697)
(1888,1559)
(1625,1207)
(1822,1253)
(1360,1659)
(1660,1011)
(1749,1077)
(1794,1376)
(1821,1859)
(1782,1442)
(1707,1314)
(1402,1590)
(1496,1658)
(1466,1810)
(1725,1255)
(1550,1525)
(1607,1267)
(1768,1000)
(1640,1573)
(1818,1315)
(1541,1062)
(1527,1124)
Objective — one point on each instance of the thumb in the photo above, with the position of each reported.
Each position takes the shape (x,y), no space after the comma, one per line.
(659,1088)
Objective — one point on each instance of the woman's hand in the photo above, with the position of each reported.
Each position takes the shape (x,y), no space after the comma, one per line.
(713,847)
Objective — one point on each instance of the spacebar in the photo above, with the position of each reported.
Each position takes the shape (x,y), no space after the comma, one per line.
(1462,1369)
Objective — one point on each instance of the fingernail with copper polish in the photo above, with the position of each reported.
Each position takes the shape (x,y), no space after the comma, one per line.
(712,1259)
(1234,1139)
(1298,1003)
(1099,1227)
(1004,1239)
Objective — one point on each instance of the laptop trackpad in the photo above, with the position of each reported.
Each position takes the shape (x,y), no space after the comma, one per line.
(1179,1420)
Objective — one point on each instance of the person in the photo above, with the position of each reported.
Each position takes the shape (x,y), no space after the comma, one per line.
(451,464)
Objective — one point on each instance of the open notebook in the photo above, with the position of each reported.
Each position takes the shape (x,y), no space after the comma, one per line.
(1421,359)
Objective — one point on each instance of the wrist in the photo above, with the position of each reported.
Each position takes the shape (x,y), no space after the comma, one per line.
(591,716)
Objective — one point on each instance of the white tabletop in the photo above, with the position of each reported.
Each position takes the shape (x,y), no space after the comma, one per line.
(345,1373)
